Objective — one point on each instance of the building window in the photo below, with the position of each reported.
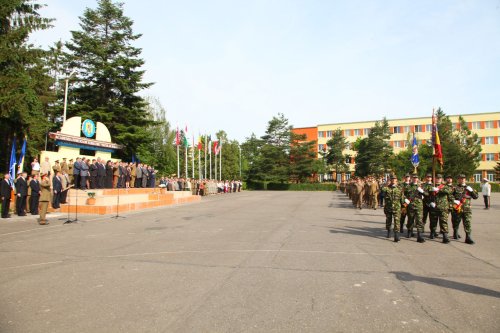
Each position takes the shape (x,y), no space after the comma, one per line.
(357,132)
(321,147)
(403,144)
(428,127)
(406,129)
(476,125)
(489,124)
(348,160)
(419,128)
(397,144)
(320,134)
(489,157)
(367,131)
(477,177)
(489,140)
(329,134)
(397,129)
(490,176)
(454,126)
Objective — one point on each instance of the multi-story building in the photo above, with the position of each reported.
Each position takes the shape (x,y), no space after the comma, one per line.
(486,125)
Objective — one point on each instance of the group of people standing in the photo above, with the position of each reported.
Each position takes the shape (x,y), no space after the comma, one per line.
(414,201)
(201,187)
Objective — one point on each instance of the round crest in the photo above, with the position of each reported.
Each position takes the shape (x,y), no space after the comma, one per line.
(88,128)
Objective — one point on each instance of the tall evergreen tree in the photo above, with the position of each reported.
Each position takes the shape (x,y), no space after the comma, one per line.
(374,152)
(304,163)
(109,75)
(24,83)
(334,155)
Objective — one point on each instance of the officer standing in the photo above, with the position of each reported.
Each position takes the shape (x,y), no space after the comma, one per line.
(44,198)
(462,195)
(440,208)
(415,194)
(394,198)
(5,194)
(21,193)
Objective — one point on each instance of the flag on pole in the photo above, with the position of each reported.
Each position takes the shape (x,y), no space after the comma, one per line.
(216,144)
(12,164)
(185,139)
(415,159)
(20,164)
(200,144)
(436,142)
(177,137)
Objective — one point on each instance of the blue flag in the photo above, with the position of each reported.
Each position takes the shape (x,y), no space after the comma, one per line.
(20,164)
(415,160)
(12,164)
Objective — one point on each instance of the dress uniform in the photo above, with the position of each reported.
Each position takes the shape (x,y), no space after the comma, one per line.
(404,186)
(440,207)
(44,198)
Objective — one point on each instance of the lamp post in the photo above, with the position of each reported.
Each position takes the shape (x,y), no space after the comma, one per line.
(66,93)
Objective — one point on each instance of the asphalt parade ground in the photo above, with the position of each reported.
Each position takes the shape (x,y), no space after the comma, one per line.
(247,262)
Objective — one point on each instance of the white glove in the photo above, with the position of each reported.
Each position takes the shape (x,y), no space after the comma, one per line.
(407,201)
(469,189)
(435,189)
(456,202)
(433,205)
(420,190)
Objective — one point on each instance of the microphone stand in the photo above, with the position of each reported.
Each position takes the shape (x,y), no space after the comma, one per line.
(76,209)
(117,216)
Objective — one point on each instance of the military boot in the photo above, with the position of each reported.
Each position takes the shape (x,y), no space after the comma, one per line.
(388,234)
(446,240)
(420,239)
(456,235)
(468,240)
(401,225)
(396,236)
(408,233)
(432,235)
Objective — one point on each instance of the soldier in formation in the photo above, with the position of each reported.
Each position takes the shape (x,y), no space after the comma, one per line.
(462,194)
(394,198)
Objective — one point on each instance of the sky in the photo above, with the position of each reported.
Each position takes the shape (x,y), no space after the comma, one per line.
(233,65)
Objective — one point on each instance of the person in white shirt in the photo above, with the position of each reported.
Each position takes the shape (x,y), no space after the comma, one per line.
(35,167)
(486,191)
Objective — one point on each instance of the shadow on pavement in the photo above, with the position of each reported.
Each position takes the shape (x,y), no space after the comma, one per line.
(365,231)
(468,288)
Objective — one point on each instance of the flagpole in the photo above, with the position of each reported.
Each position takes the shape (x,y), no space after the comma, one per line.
(220,159)
(178,165)
(192,157)
(216,175)
(205,165)
(434,130)
(210,158)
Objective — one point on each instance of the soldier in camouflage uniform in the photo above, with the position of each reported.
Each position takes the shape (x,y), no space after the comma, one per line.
(414,195)
(440,207)
(454,217)
(463,194)
(428,198)
(393,200)
(404,185)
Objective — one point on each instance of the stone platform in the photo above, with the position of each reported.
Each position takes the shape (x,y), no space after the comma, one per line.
(132,199)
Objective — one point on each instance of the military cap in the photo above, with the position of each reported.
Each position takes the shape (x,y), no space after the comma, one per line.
(71,160)
(439,175)
(394,177)
(461,175)
(407,175)
(414,175)
(57,161)
(428,175)
(43,175)
(448,176)
(64,158)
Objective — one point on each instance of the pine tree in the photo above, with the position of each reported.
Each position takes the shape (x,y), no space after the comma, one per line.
(334,156)
(109,75)
(304,164)
(374,153)
(24,83)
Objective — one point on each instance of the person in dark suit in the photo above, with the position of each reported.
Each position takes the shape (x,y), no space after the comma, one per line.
(5,193)
(93,174)
(84,174)
(101,173)
(109,175)
(138,176)
(122,173)
(76,172)
(57,189)
(35,194)
(21,194)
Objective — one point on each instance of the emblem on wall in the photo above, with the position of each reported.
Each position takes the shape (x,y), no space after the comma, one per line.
(88,128)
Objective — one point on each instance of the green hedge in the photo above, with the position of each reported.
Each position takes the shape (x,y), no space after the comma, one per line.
(291,187)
